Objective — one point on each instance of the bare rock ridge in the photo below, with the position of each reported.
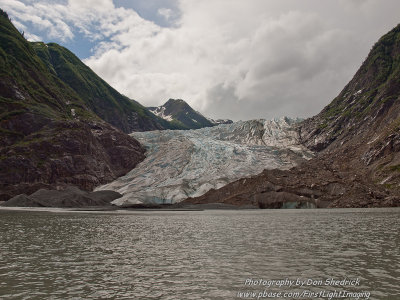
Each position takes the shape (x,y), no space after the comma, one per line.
(49,136)
(177,111)
(357,140)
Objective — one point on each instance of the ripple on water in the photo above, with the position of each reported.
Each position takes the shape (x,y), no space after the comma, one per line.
(193,255)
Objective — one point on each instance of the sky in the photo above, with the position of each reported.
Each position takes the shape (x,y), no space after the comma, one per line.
(237,59)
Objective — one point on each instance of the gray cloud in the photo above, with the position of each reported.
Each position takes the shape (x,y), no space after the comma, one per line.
(164,13)
(230,59)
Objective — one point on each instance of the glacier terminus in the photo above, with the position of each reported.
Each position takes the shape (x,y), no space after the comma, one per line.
(188,163)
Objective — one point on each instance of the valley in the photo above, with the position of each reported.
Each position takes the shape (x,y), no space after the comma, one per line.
(62,126)
(188,163)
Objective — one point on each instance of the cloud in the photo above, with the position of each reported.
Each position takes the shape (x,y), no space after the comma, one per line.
(241,60)
(236,59)
(97,5)
(167,13)
(41,15)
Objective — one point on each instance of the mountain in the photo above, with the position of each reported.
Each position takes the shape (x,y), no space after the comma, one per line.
(116,109)
(361,125)
(178,112)
(367,106)
(49,136)
(356,139)
(188,163)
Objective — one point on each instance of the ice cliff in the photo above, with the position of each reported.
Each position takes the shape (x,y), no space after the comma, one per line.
(188,163)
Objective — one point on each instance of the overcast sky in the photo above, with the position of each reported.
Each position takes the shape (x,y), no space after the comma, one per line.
(238,59)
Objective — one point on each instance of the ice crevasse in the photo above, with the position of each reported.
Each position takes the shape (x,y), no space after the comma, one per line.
(187,163)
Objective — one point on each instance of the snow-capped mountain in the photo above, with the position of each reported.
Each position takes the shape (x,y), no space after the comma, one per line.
(179,112)
(187,163)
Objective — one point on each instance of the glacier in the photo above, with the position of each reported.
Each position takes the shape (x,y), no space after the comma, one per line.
(187,163)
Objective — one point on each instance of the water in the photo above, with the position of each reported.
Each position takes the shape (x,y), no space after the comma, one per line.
(195,255)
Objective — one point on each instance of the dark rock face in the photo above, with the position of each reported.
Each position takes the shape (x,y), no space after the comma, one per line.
(70,197)
(357,141)
(67,153)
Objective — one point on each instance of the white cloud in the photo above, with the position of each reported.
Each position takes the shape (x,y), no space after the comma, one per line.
(237,59)
(44,17)
(91,5)
(167,13)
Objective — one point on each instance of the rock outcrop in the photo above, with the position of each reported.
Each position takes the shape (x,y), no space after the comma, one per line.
(67,153)
(70,197)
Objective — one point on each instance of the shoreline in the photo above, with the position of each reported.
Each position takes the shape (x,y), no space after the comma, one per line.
(118,210)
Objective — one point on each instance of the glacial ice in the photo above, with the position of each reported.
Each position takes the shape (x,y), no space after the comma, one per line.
(188,163)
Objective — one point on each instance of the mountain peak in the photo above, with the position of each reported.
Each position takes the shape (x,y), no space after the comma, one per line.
(180,112)
(171,101)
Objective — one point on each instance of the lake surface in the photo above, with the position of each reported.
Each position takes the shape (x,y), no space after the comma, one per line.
(199,254)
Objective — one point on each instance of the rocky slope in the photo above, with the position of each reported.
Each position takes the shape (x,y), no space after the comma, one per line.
(116,109)
(178,112)
(357,140)
(61,153)
(365,117)
(69,197)
(49,137)
(316,183)
(190,162)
